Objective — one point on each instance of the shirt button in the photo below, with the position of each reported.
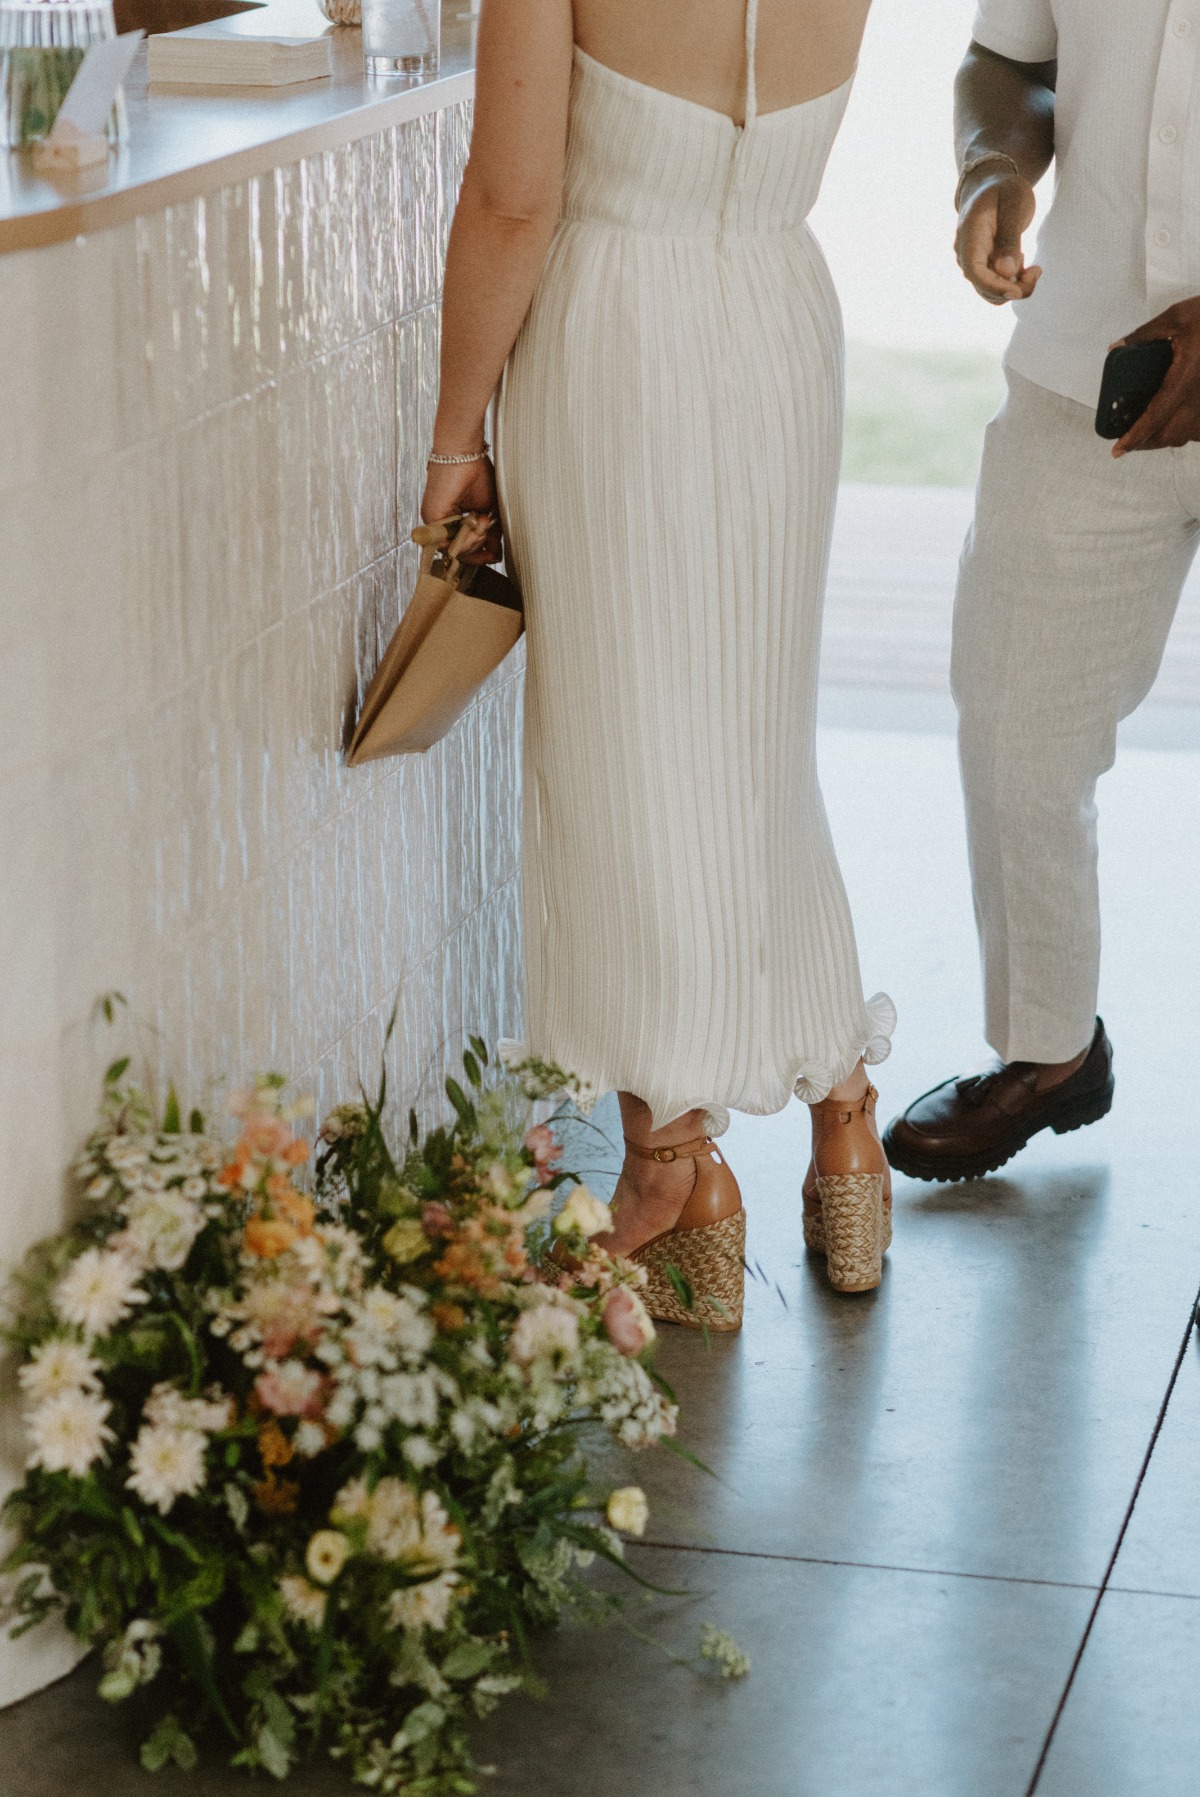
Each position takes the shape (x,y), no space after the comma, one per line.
(1168,134)
(1162,237)
(1182,27)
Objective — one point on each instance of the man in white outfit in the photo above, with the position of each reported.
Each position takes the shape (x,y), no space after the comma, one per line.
(1079,549)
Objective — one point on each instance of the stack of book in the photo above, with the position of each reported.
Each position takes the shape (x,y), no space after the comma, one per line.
(207,56)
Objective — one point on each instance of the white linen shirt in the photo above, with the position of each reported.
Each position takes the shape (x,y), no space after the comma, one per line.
(1121,240)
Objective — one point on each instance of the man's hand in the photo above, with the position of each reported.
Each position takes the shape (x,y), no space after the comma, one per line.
(996,208)
(1173,416)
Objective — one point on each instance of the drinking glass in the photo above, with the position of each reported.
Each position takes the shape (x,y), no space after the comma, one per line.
(402,37)
(42,44)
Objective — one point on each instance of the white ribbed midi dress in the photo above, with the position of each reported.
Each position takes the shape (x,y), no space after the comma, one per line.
(668,440)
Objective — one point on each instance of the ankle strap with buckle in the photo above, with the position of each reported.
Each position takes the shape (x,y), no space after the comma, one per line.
(841,1107)
(679,1151)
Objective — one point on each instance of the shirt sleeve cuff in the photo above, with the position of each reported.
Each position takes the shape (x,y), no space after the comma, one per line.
(1031,42)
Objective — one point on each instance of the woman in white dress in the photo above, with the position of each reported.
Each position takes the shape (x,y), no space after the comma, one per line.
(630,271)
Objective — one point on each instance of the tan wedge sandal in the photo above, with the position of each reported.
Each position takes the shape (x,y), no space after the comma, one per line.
(847,1200)
(707,1246)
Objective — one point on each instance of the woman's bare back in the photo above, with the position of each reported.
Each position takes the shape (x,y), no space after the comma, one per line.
(695,48)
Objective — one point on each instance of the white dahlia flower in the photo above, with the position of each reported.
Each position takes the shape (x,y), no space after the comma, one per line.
(57,1365)
(166,1463)
(69,1432)
(98,1290)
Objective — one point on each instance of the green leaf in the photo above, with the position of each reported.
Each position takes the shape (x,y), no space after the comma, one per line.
(461,1103)
(108,1004)
(166,1743)
(280,1720)
(680,1286)
(425,1720)
(172,1123)
(473,1072)
(132,1526)
(414,1133)
(468,1659)
(238,1505)
(480,1047)
(272,1753)
(247,1641)
(116,1070)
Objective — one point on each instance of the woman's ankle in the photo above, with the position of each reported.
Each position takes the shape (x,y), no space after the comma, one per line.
(852,1090)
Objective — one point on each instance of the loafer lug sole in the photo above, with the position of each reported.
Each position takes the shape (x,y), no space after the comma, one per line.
(1089,1107)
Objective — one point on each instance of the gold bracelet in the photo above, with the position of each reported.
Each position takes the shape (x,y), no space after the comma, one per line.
(458,461)
(975,162)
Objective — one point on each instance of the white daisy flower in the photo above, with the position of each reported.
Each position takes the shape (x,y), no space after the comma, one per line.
(166,1463)
(57,1365)
(69,1432)
(302,1600)
(423,1606)
(98,1290)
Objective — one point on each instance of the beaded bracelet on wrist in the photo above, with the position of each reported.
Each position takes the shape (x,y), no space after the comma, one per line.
(458,461)
(978,162)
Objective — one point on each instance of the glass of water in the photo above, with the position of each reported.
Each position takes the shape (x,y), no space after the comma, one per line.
(402,37)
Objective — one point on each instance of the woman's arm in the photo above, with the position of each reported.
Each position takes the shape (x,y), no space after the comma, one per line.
(507,210)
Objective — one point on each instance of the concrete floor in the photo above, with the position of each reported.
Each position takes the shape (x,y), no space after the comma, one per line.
(946,1526)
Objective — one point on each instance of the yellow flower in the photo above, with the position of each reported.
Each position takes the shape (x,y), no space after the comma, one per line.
(326,1554)
(585,1213)
(628,1510)
(406,1240)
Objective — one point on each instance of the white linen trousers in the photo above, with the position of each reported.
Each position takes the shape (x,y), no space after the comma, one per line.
(1068,584)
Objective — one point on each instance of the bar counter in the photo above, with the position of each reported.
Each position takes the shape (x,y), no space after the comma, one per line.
(184,142)
(217,378)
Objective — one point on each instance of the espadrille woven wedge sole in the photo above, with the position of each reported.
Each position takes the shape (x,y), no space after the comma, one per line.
(847,1204)
(705,1251)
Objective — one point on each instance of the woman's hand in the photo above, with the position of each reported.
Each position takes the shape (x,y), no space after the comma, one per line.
(470,487)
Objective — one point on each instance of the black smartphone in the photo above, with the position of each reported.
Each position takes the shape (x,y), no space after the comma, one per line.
(1133,374)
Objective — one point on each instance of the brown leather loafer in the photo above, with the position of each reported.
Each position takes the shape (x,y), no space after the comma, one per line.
(965,1128)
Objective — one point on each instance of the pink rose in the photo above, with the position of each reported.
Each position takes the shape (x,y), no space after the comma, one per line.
(436,1219)
(292,1389)
(540,1143)
(627,1321)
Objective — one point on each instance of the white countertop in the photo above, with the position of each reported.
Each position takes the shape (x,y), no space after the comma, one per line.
(187,141)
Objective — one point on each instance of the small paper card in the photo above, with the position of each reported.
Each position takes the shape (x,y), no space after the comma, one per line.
(91,95)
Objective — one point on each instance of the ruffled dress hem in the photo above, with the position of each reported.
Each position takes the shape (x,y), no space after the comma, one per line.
(813,1080)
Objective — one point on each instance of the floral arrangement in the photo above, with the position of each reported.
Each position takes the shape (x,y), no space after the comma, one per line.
(305,1454)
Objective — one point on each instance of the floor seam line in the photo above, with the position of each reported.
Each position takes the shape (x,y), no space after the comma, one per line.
(1188,1597)
(929,1572)
(1112,1561)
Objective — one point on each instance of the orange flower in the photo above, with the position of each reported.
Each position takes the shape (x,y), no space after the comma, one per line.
(267,1237)
(292,1206)
(448,1317)
(296,1153)
(276,1497)
(273,1446)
